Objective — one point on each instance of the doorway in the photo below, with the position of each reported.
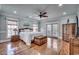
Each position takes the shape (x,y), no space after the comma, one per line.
(52,30)
(49,30)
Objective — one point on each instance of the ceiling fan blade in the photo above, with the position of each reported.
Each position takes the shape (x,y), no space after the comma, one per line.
(44,13)
(45,16)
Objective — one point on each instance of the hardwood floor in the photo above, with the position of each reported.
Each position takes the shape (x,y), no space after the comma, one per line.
(20,48)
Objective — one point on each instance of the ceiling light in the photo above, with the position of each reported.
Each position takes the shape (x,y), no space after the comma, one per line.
(64,13)
(30,16)
(60,4)
(14,12)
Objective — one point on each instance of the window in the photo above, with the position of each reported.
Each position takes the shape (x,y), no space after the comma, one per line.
(11,25)
(35,27)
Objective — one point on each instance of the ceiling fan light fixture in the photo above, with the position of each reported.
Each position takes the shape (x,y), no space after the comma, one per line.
(64,13)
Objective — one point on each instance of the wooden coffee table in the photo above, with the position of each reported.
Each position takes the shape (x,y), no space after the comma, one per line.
(40,40)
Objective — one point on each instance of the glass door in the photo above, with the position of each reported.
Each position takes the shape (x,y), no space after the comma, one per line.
(52,30)
(55,30)
(48,30)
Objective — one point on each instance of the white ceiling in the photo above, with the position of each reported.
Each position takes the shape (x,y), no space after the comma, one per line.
(32,10)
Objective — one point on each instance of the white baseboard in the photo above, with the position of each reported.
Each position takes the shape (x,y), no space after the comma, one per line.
(1,41)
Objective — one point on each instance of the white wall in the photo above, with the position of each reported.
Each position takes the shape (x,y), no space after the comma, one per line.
(3,28)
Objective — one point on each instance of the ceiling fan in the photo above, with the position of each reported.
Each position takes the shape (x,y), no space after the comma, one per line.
(43,14)
(40,13)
